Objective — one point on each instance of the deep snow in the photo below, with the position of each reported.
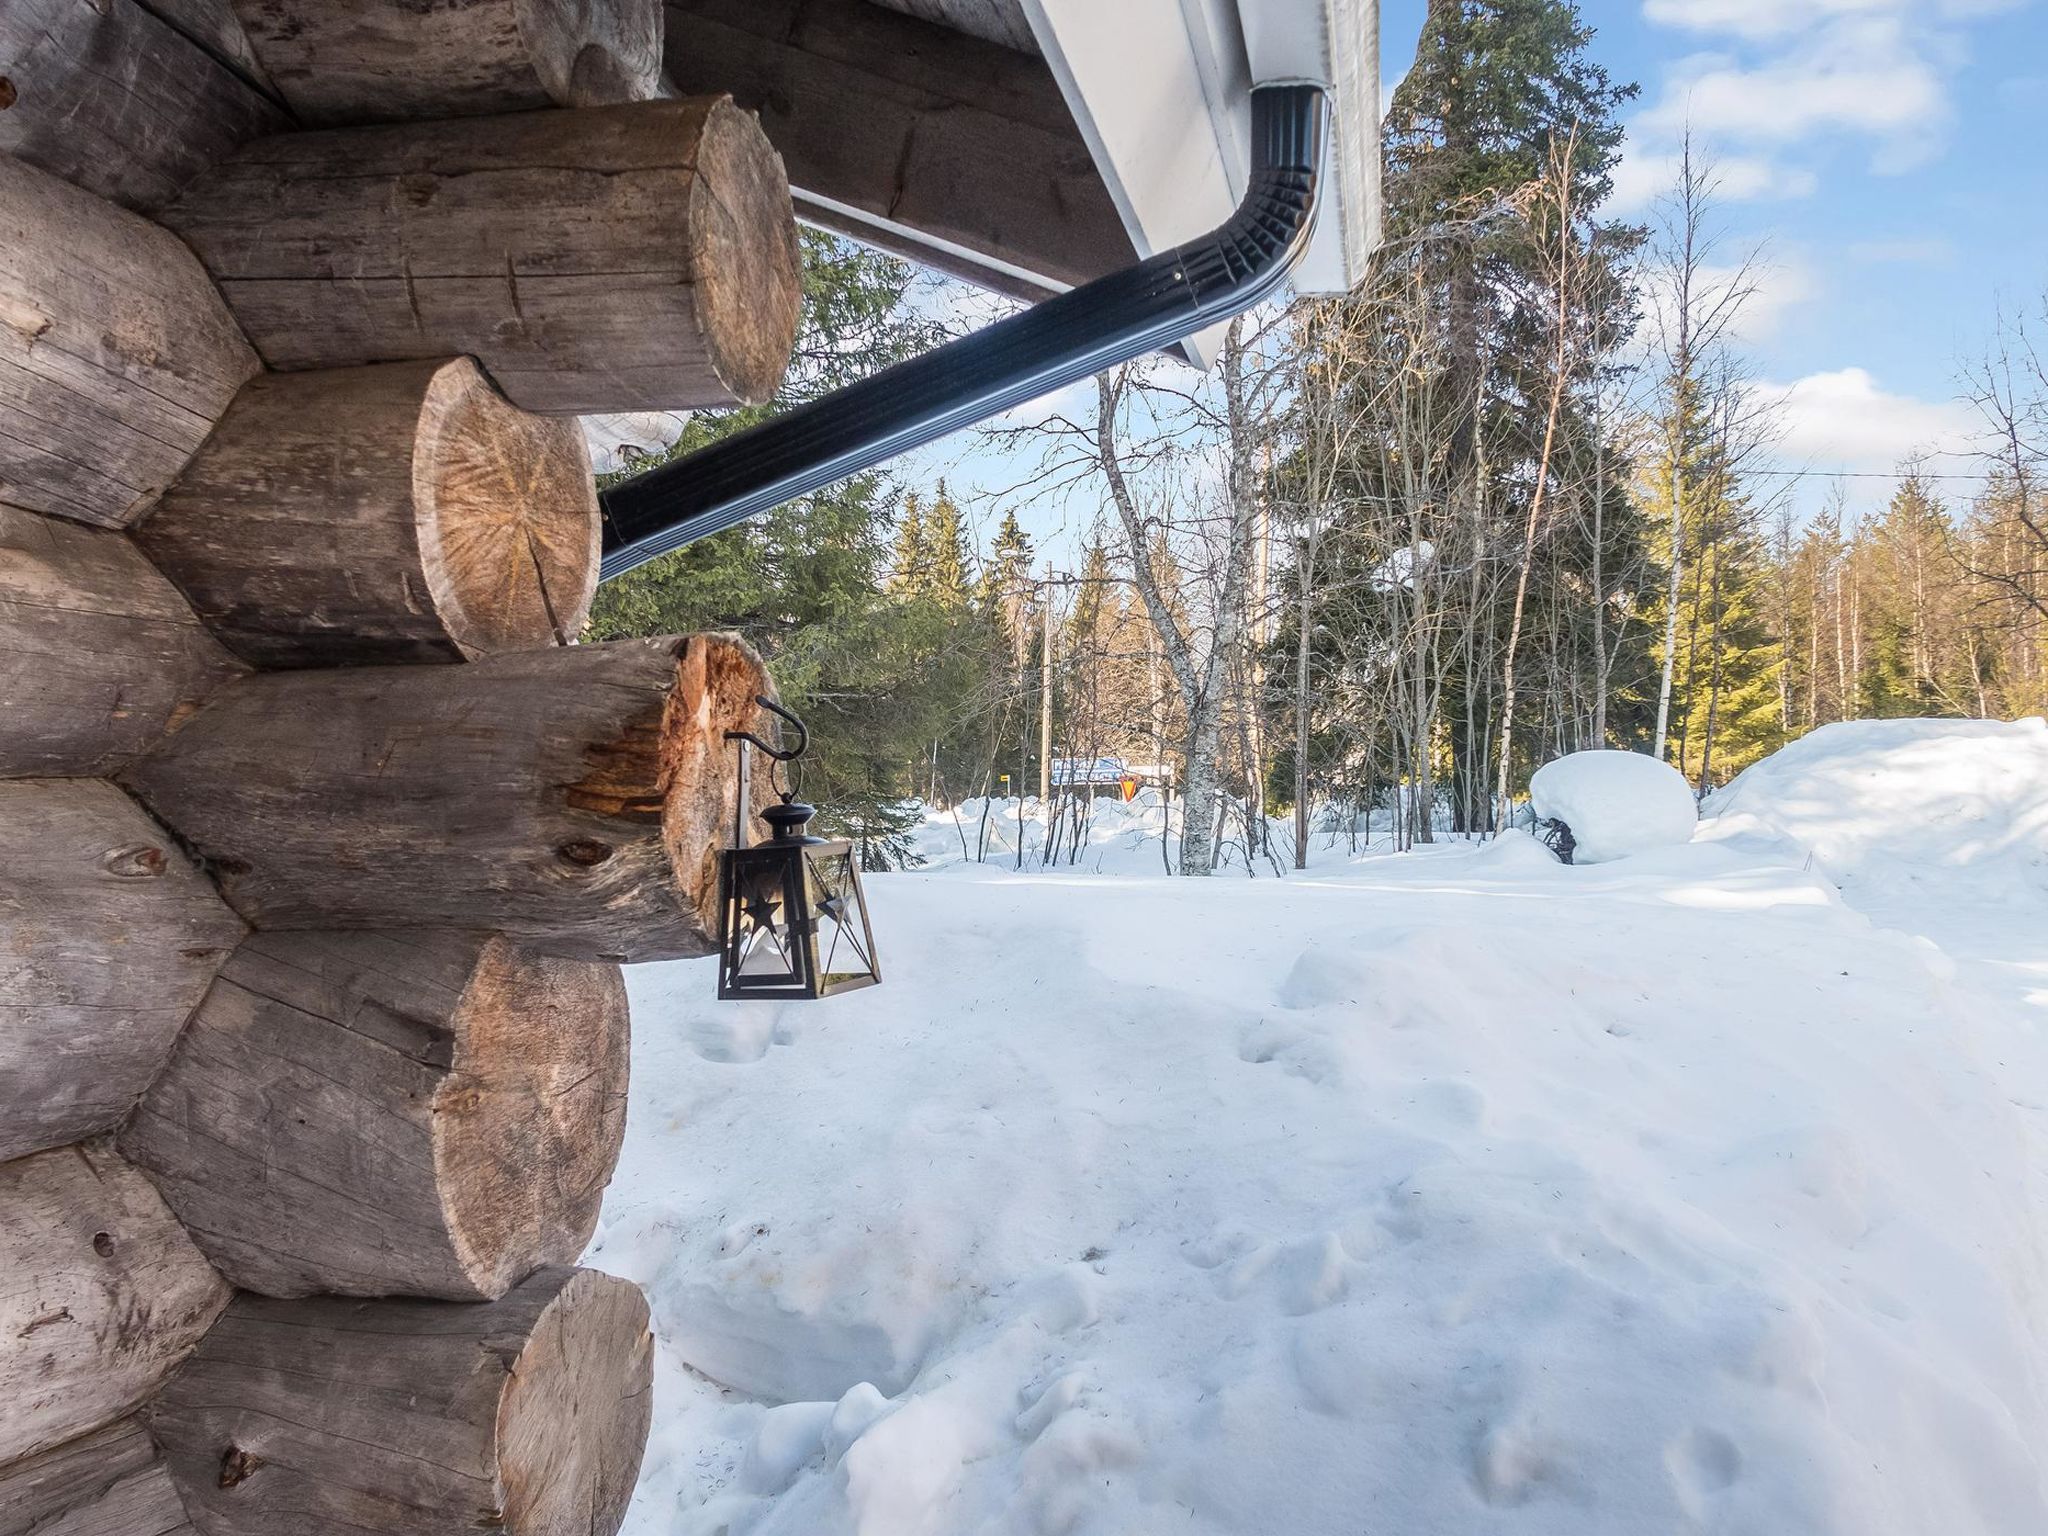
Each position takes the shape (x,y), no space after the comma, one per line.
(1449,1192)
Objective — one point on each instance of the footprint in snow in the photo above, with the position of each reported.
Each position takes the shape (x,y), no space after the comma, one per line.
(1305,1275)
(1701,1463)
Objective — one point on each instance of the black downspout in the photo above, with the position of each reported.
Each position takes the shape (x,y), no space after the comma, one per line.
(1096,326)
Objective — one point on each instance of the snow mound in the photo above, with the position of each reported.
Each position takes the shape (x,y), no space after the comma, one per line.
(1879,802)
(1616,803)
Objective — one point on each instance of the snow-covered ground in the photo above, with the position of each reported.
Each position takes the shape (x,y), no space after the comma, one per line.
(1459,1191)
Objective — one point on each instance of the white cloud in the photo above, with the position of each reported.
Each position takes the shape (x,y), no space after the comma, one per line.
(1783,18)
(1864,80)
(1640,179)
(1776,290)
(1844,421)
(1788,73)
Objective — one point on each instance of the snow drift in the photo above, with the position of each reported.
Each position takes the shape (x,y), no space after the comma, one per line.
(1876,802)
(1452,1193)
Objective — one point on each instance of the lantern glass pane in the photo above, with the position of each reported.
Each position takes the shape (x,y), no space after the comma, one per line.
(844,945)
(765,946)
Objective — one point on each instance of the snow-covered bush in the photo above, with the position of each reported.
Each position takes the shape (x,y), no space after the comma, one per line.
(1614,803)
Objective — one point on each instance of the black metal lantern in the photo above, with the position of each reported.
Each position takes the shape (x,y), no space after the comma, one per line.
(795,922)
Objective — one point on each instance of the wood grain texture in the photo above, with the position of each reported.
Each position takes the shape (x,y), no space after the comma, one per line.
(99,655)
(372,61)
(574,799)
(108,939)
(525,1415)
(958,152)
(637,257)
(107,1483)
(126,100)
(101,1295)
(995,21)
(420,1114)
(116,355)
(404,512)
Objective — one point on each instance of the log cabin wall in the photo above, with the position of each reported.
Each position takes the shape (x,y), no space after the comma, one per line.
(313,1037)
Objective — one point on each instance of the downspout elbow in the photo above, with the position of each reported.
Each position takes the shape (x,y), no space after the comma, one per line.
(1099,325)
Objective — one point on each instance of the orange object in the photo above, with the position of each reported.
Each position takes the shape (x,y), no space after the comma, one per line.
(1129,785)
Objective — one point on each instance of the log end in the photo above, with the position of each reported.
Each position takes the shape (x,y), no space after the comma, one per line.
(719,677)
(528,1124)
(573,1421)
(507,517)
(744,255)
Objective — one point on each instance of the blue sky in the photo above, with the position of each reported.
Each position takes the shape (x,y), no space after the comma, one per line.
(1888,157)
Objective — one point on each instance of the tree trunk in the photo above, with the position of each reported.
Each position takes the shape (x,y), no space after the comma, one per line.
(398,513)
(116,355)
(107,1483)
(100,657)
(574,799)
(416,1114)
(640,257)
(101,1295)
(525,1415)
(115,97)
(346,61)
(111,938)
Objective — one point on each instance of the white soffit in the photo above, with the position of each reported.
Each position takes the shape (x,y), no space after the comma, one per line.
(1161,92)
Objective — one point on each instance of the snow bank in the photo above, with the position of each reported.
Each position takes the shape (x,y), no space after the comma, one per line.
(1454,1194)
(1918,802)
(1616,803)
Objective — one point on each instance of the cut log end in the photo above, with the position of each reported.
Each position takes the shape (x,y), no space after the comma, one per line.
(574,1418)
(749,287)
(718,680)
(527,1126)
(507,512)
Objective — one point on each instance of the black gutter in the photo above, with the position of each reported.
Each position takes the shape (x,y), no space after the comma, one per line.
(1096,326)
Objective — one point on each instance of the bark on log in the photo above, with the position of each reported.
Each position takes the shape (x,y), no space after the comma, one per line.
(101,1295)
(100,657)
(525,1415)
(574,799)
(638,257)
(118,98)
(108,1483)
(389,60)
(399,513)
(110,937)
(377,1114)
(116,355)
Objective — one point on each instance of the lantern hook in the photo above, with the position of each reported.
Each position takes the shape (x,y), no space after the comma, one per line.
(803,735)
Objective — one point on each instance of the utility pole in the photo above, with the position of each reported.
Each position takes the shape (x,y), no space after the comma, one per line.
(1045,693)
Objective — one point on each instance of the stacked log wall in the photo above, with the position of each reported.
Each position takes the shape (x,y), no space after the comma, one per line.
(408,1083)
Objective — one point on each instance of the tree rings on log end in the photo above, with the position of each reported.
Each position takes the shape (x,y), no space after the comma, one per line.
(397,513)
(749,269)
(573,1421)
(506,508)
